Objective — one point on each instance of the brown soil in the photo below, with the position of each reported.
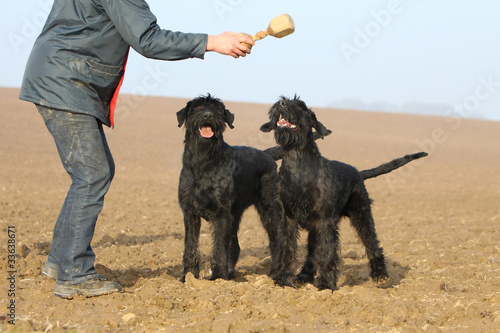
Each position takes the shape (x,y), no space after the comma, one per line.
(438,220)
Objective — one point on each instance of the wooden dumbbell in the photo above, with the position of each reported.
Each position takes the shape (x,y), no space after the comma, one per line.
(279,27)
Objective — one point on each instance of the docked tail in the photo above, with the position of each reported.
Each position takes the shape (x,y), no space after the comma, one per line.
(392,165)
(277,151)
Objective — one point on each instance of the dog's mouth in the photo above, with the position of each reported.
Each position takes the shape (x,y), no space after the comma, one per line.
(206,131)
(282,122)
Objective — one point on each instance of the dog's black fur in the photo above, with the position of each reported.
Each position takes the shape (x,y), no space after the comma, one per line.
(316,193)
(217,183)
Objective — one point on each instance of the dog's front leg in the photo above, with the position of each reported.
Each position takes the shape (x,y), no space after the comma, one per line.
(191,259)
(220,255)
(328,254)
(234,246)
(270,211)
(288,234)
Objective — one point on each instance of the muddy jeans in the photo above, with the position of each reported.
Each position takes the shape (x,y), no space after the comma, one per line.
(85,155)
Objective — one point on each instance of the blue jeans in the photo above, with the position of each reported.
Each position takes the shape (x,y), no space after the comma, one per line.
(85,155)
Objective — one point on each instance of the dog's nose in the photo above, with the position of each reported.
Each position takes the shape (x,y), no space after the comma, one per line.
(208,115)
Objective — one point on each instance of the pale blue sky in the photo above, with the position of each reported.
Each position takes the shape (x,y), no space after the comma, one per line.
(440,57)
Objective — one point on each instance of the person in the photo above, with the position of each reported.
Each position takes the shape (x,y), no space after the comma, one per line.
(73,76)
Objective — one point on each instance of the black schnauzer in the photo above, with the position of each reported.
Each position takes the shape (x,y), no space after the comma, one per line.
(217,183)
(316,193)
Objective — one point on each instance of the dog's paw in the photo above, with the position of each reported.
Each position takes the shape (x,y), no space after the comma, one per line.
(304,278)
(274,273)
(324,285)
(189,275)
(213,277)
(224,276)
(286,280)
(382,281)
(321,286)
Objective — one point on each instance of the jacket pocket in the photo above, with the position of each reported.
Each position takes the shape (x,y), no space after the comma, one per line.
(105,69)
(103,79)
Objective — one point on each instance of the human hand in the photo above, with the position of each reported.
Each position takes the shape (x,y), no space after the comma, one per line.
(230,43)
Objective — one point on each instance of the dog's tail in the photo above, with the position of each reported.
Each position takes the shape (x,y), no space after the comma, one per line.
(277,151)
(391,166)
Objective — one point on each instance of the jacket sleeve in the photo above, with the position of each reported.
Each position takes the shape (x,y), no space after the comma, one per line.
(137,25)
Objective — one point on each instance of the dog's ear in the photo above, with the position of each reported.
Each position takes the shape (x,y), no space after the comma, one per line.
(182,114)
(229,118)
(267,127)
(320,128)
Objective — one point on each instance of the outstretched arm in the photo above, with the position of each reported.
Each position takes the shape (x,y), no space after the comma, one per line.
(138,27)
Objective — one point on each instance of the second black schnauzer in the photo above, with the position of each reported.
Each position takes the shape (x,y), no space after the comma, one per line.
(217,183)
(316,193)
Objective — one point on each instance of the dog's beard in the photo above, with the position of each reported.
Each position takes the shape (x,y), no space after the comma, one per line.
(286,137)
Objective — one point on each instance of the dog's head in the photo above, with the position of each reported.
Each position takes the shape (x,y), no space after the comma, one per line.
(205,119)
(293,123)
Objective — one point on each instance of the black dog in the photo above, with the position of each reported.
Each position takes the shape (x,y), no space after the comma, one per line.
(217,183)
(316,193)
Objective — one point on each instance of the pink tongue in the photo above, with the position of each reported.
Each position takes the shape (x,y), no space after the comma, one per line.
(206,132)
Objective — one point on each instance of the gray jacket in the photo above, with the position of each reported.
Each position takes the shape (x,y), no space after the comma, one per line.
(78,60)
